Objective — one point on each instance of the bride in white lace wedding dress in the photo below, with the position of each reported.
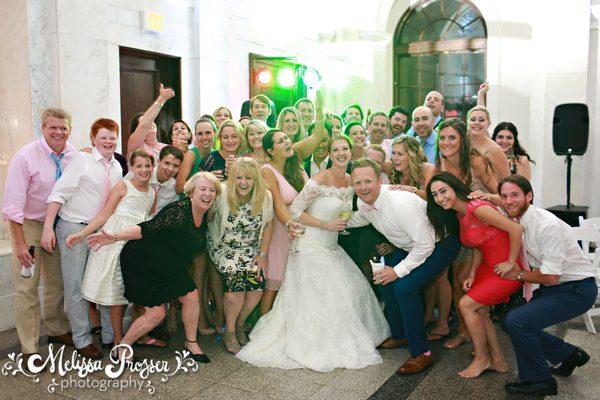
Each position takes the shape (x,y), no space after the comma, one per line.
(326,315)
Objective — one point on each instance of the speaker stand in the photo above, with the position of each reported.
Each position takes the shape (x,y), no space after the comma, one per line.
(569,163)
(569,213)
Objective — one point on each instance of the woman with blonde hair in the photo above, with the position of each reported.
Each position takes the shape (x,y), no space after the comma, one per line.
(155,261)
(232,143)
(254,132)
(478,123)
(290,123)
(222,114)
(238,244)
(411,171)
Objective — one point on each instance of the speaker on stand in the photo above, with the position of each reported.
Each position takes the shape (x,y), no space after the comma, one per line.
(570,130)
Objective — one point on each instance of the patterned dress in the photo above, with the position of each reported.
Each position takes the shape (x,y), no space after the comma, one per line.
(234,254)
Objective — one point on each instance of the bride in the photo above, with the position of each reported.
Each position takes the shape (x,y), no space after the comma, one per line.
(326,315)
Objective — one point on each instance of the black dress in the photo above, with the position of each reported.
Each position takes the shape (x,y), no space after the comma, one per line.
(155,267)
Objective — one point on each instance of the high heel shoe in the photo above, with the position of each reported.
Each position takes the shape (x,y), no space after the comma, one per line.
(231,342)
(241,335)
(199,357)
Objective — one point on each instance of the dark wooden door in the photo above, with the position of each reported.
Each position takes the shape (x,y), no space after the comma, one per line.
(141,75)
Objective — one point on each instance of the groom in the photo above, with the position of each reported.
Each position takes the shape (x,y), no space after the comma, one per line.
(400,216)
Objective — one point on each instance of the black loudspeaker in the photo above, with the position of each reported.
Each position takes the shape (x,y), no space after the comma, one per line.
(570,129)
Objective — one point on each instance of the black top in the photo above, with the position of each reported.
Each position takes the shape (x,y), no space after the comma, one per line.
(212,162)
(155,267)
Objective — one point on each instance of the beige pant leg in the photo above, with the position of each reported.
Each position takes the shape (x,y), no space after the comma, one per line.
(27,303)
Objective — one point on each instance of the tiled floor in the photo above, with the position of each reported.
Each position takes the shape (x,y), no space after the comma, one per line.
(228,378)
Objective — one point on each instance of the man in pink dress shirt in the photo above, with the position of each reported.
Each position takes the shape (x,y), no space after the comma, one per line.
(31,175)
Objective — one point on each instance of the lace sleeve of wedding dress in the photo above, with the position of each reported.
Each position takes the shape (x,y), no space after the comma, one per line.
(309,193)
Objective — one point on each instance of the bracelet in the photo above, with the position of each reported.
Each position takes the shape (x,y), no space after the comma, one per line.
(263,254)
(414,189)
(116,236)
(158,104)
(287,225)
(322,225)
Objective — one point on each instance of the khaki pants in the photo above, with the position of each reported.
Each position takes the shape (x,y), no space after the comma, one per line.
(27,303)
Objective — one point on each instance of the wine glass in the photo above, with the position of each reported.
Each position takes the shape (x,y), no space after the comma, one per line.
(345,214)
(299,229)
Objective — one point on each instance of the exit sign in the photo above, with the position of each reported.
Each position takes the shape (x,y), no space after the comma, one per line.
(153,22)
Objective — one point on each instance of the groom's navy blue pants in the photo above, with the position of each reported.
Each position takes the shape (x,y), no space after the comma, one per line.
(549,305)
(403,302)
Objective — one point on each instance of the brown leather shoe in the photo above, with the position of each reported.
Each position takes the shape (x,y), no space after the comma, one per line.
(66,339)
(391,343)
(414,365)
(90,351)
(37,363)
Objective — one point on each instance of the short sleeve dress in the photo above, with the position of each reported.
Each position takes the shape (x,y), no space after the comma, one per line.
(155,267)
(494,244)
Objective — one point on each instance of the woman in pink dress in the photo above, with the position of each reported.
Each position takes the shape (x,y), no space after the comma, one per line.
(496,241)
(285,178)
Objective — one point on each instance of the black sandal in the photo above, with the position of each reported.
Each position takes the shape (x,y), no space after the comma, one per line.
(201,358)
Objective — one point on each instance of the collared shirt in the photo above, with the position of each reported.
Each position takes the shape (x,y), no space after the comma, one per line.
(80,188)
(429,146)
(401,217)
(386,145)
(438,119)
(316,168)
(31,175)
(552,247)
(166,190)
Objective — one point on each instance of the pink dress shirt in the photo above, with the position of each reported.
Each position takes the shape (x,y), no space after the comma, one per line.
(31,175)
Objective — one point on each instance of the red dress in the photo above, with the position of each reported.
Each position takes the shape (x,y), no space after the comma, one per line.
(494,245)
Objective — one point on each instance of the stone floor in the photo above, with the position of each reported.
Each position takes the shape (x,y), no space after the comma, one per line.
(228,378)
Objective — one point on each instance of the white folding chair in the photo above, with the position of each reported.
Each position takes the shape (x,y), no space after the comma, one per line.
(592,223)
(587,234)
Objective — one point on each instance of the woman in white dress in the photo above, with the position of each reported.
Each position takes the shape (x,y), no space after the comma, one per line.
(326,316)
(129,203)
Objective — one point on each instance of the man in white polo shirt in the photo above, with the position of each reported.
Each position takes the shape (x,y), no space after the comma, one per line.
(567,290)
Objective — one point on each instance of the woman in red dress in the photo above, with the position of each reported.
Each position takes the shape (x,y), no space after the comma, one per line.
(496,240)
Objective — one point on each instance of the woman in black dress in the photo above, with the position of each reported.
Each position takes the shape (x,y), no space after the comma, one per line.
(155,260)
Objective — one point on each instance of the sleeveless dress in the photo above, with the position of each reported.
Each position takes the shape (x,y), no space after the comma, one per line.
(494,244)
(103,282)
(280,242)
(325,316)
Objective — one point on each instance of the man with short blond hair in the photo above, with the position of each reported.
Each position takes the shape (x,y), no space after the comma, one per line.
(31,175)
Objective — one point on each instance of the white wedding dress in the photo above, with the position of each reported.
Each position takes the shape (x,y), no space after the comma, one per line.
(326,315)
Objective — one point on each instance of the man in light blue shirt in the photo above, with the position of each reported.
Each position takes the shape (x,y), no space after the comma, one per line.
(435,102)
(422,123)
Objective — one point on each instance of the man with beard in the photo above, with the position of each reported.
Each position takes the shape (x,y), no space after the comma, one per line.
(435,102)
(398,117)
(377,128)
(422,123)
(567,290)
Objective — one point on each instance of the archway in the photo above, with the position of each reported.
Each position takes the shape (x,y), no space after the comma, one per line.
(440,45)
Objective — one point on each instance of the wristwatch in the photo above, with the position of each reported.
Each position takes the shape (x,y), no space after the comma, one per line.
(520,276)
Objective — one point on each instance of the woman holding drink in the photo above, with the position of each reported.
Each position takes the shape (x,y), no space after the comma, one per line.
(325,315)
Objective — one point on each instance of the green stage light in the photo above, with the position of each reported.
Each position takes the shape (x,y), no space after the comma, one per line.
(286,77)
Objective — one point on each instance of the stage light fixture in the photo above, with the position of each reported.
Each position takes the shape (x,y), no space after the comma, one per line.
(311,78)
(286,77)
(264,76)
